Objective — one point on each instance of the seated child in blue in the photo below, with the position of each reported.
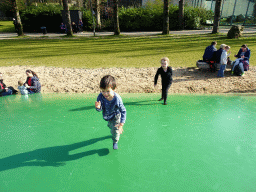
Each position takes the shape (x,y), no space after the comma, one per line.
(112,106)
(22,88)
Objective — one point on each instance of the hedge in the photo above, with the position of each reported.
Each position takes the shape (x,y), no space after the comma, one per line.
(130,19)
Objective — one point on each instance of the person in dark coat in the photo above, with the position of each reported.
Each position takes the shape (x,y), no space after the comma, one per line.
(210,51)
(74,27)
(32,83)
(4,90)
(244,51)
(166,74)
(244,56)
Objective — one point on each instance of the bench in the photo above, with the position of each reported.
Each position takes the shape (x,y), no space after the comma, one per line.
(203,65)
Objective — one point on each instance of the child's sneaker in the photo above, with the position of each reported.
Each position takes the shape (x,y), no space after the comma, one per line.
(115,146)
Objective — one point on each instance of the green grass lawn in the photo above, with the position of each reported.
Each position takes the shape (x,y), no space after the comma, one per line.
(111,51)
(6,26)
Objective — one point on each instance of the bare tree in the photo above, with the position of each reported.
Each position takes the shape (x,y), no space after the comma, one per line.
(17,22)
(181,14)
(67,17)
(217,17)
(166,18)
(116,19)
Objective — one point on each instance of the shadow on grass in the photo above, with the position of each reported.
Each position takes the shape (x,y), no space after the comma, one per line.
(126,103)
(83,108)
(51,156)
(140,103)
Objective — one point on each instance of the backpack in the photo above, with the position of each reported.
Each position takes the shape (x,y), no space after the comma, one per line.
(238,70)
(246,65)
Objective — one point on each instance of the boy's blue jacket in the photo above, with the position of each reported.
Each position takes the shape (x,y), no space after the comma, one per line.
(112,108)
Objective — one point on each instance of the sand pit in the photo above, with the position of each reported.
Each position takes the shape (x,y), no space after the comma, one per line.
(132,80)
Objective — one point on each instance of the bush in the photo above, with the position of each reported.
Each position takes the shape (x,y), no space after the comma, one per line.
(230,17)
(151,18)
(148,18)
(143,19)
(235,31)
(240,18)
(87,20)
(34,17)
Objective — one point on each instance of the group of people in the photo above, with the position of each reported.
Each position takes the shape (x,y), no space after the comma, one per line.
(108,100)
(32,85)
(111,104)
(75,27)
(213,56)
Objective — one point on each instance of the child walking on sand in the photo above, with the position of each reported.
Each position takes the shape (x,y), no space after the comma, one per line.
(166,74)
(112,106)
(22,88)
(223,61)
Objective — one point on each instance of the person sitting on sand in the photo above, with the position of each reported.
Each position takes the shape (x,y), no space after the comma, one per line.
(4,91)
(22,88)
(32,83)
(210,51)
(244,50)
(244,53)
(166,75)
(240,71)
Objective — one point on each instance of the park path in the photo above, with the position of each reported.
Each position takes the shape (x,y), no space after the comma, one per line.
(148,33)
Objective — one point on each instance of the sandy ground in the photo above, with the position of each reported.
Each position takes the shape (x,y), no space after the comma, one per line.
(132,80)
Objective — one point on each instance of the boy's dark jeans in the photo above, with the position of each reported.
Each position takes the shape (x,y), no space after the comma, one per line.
(165,89)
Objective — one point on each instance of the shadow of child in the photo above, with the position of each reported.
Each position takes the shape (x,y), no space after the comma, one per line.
(51,156)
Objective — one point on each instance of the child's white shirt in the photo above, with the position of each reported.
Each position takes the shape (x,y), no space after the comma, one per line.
(224,58)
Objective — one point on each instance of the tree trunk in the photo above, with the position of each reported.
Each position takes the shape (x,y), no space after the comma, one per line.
(217,17)
(98,23)
(166,18)
(67,17)
(116,19)
(181,14)
(18,24)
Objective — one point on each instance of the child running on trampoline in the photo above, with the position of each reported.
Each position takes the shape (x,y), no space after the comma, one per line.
(112,106)
(166,74)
